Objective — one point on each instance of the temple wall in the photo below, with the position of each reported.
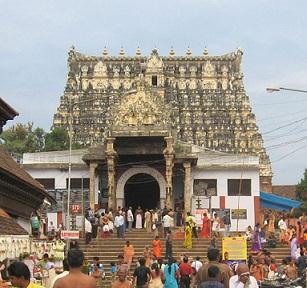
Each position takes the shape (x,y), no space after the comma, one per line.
(223,201)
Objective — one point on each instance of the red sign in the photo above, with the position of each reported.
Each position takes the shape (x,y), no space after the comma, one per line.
(75,208)
(69,234)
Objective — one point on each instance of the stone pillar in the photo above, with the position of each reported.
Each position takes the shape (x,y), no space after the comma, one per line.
(187,187)
(169,164)
(93,167)
(110,155)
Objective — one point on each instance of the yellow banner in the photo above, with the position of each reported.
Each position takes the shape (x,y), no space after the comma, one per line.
(236,247)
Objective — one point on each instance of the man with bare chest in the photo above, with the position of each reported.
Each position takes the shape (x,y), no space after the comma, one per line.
(75,278)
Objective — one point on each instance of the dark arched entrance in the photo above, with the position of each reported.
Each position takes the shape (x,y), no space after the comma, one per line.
(142,190)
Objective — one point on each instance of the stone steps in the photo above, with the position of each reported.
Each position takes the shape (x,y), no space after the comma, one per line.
(107,249)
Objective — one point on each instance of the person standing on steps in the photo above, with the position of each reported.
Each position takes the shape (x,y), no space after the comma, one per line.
(141,275)
(187,236)
(138,218)
(88,231)
(120,225)
(147,224)
(227,223)
(128,254)
(156,247)
(130,218)
(169,245)
(191,219)
(166,220)
(205,232)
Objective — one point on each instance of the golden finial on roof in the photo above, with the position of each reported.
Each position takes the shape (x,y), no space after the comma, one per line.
(138,52)
(122,52)
(206,53)
(105,52)
(172,52)
(189,52)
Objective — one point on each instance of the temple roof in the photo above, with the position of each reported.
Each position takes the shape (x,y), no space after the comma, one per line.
(199,100)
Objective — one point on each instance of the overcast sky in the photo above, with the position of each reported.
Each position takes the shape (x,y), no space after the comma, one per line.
(35,37)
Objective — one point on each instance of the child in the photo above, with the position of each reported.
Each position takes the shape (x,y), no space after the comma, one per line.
(113,270)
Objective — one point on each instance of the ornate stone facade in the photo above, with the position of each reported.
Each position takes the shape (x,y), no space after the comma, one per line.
(199,99)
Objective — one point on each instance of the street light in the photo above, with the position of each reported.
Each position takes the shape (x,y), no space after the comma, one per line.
(277,89)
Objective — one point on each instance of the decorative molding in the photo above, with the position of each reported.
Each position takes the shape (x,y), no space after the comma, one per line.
(138,170)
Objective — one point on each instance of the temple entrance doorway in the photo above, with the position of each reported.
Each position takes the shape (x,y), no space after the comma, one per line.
(142,190)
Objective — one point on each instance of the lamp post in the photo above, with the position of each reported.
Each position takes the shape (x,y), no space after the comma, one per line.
(277,89)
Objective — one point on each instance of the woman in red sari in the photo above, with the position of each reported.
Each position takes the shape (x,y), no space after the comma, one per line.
(206,226)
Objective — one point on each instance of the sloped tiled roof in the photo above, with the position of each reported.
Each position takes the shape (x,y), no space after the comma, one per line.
(10,167)
(8,226)
(284,190)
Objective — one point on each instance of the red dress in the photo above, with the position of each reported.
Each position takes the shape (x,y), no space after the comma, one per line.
(206,227)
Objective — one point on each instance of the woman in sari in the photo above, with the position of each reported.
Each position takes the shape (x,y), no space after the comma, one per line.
(156,247)
(188,236)
(256,247)
(206,226)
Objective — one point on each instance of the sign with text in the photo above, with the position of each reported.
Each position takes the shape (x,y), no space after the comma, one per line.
(238,213)
(236,247)
(69,234)
(199,215)
(75,208)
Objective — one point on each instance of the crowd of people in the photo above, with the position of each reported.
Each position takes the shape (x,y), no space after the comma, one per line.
(157,266)
(160,222)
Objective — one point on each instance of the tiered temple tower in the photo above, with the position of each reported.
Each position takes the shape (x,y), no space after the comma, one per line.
(199,100)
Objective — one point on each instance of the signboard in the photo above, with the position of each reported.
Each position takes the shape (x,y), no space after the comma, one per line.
(69,234)
(238,213)
(75,208)
(220,212)
(236,248)
(199,215)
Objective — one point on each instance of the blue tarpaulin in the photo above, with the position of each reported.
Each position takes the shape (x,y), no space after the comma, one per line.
(276,202)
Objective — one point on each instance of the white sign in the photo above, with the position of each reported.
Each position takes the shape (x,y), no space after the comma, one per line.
(69,234)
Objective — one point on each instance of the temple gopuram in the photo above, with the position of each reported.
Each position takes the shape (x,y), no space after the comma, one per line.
(159,130)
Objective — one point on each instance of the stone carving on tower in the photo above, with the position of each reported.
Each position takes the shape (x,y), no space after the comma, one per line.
(201,98)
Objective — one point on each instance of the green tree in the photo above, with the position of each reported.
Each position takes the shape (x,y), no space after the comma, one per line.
(23,138)
(301,188)
(57,139)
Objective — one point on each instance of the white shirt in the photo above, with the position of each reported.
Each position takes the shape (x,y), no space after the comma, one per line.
(130,217)
(167,220)
(235,283)
(119,221)
(197,265)
(87,226)
(282,224)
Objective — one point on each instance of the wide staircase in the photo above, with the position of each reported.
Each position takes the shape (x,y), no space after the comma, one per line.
(107,249)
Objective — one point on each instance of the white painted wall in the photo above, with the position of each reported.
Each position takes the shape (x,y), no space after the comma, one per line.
(231,202)
(59,175)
